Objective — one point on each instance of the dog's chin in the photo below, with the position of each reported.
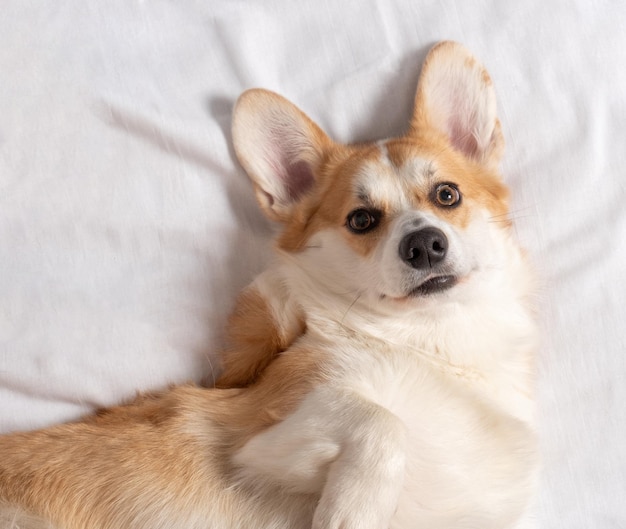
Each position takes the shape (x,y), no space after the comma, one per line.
(434,285)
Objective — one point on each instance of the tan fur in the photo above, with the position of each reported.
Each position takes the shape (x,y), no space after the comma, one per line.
(254,338)
(75,474)
(335,200)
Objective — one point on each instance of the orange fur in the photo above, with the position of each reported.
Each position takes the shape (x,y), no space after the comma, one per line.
(76,474)
(253,339)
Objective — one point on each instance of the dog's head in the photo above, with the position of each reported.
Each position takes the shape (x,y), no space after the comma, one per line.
(399,221)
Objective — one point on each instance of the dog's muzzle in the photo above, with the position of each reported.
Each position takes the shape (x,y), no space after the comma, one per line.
(423,250)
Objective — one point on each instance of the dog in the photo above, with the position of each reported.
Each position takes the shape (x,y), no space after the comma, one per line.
(379,374)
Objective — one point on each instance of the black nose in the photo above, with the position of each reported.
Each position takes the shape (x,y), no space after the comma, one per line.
(424,248)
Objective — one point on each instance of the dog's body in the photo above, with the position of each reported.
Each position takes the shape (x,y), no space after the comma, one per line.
(385,360)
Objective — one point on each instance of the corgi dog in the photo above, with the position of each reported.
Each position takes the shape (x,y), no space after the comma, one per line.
(378,375)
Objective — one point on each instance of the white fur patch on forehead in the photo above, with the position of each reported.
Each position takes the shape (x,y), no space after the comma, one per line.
(417,171)
(380,182)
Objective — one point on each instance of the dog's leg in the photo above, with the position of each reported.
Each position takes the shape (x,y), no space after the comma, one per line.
(342,445)
(141,466)
(263,323)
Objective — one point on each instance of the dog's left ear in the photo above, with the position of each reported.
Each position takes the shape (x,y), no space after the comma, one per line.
(280,148)
(455,97)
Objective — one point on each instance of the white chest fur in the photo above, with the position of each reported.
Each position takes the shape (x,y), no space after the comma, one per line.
(430,442)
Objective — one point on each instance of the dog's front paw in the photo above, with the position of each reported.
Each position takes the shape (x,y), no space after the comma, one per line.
(364,482)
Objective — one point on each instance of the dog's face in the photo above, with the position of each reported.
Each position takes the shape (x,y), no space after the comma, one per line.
(396,222)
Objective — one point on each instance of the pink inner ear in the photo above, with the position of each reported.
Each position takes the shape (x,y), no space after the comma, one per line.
(462,138)
(292,178)
(297,180)
(461,122)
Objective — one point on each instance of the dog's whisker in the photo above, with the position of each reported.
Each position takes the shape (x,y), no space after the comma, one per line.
(511,219)
(358,296)
(529,216)
(512,212)
(346,293)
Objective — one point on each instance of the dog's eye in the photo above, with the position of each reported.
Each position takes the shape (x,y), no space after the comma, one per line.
(361,220)
(447,195)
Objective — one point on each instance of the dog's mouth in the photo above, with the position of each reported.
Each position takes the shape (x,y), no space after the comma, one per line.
(434,285)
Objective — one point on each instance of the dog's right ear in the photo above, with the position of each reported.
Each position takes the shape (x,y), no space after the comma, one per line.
(279,147)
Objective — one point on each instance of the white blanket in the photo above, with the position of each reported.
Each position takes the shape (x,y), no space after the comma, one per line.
(127,227)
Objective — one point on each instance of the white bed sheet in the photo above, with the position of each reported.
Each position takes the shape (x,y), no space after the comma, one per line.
(126,226)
